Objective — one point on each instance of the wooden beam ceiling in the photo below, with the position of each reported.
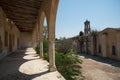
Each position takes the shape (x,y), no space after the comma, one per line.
(22,12)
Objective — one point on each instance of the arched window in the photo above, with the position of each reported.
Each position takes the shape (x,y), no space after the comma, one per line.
(113,50)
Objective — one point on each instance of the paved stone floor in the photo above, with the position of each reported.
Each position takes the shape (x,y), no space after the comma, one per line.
(26,65)
(96,68)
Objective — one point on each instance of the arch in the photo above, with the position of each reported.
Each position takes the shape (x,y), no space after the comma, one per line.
(50,14)
(45,28)
(41,22)
(42,16)
(45,33)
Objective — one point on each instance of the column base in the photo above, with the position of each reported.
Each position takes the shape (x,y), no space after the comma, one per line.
(41,57)
(52,68)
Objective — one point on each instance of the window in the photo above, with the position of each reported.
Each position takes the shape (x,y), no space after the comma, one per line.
(113,50)
(13,40)
(17,42)
(0,44)
(6,38)
(99,48)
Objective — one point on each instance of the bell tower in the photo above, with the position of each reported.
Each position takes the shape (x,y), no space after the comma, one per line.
(87,27)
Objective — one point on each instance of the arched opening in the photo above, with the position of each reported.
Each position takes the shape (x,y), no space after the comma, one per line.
(45,29)
(99,48)
(113,50)
(45,36)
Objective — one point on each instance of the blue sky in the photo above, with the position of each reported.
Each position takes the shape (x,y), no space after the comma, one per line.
(72,14)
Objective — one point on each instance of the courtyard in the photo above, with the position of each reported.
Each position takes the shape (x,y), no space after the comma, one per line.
(96,68)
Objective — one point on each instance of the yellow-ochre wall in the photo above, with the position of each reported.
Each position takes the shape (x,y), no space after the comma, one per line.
(11,38)
(9,35)
(106,39)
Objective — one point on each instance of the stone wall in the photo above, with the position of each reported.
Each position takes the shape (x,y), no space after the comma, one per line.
(25,39)
(9,35)
(118,45)
(107,39)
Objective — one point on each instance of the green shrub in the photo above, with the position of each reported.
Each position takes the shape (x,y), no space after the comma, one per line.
(45,45)
(67,64)
(46,56)
(37,48)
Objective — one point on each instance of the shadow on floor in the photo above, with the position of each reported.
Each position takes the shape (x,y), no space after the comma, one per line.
(21,76)
(103,60)
(10,65)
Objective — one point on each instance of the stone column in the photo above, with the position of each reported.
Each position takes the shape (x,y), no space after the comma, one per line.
(33,39)
(37,33)
(41,49)
(51,39)
(51,20)
(52,66)
(40,27)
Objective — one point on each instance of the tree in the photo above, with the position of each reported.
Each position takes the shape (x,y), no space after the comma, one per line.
(64,45)
(81,33)
(94,32)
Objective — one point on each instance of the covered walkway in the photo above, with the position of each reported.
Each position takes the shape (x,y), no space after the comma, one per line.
(26,65)
(21,26)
